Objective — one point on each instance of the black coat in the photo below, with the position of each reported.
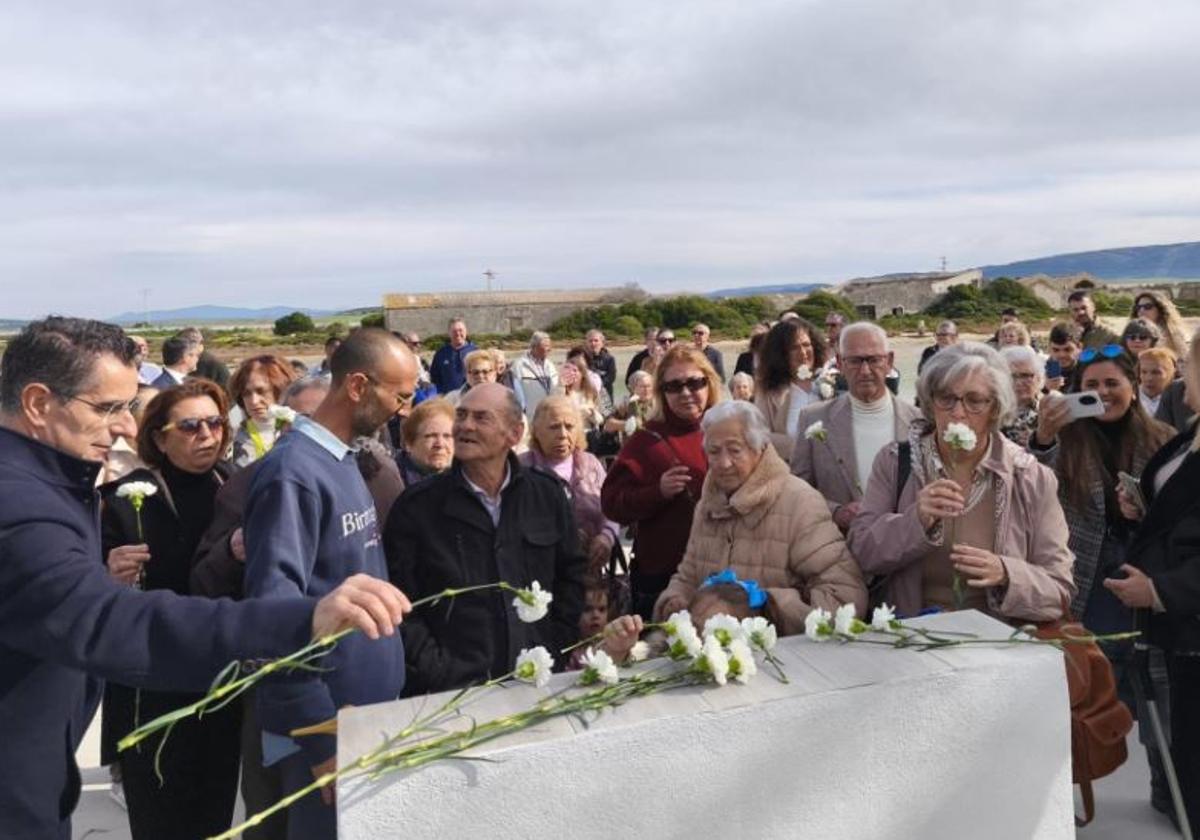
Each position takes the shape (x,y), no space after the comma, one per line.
(1167,548)
(440,535)
(745,363)
(605,365)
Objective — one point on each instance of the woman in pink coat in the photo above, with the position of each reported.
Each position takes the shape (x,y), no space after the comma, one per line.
(960,517)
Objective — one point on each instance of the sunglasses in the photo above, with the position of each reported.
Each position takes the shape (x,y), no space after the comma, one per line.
(667,340)
(1146,304)
(1108,351)
(676,386)
(191,425)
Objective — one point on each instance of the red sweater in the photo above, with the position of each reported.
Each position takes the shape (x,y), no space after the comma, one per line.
(631,493)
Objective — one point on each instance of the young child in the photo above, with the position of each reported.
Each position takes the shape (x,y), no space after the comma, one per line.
(593,619)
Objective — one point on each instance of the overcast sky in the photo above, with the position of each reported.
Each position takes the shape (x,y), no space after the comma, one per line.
(322,154)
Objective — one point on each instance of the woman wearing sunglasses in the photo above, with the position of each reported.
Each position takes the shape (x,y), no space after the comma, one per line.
(658,475)
(1160,310)
(182,438)
(959,516)
(1088,455)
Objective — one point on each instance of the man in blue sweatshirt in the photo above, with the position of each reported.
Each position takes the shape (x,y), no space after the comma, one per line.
(448,370)
(66,389)
(310,523)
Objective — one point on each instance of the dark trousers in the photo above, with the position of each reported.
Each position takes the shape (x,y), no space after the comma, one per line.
(310,818)
(199,765)
(645,590)
(262,786)
(1185,730)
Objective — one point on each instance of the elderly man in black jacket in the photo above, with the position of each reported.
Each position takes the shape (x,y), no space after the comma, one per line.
(66,389)
(486,519)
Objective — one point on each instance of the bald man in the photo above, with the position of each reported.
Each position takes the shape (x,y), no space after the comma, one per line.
(310,522)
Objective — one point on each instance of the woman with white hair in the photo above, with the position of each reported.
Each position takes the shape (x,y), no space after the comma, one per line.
(772,529)
(1028,376)
(958,516)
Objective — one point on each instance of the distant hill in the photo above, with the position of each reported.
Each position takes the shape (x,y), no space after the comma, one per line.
(198,314)
(1180,261)
(781,289)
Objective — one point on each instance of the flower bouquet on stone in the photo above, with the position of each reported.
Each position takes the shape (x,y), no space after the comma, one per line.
(725,653)
(886,629)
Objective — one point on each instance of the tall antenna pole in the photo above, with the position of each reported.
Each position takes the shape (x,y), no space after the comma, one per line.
(145,306)
(943,264)
(490,275)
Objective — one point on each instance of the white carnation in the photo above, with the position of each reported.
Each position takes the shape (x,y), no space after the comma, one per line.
(533,603)
(725,628)
(282,414)
(760,632)
(741,661)
(960,436)
(713,661)
(598,667)
(817,625)
(137,490)
(883,617)
(534,666)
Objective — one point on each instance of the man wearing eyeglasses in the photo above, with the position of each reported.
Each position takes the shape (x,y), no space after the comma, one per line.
(310,523)
(700,335)
(66,386)
(836,457)
(1083,312)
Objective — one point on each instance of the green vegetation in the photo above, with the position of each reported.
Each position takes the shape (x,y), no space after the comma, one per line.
(297,322)
(731,317)
(971,303)
(820,303)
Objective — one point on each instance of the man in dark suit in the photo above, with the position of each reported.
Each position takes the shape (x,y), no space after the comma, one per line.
(66,390)
(180,358)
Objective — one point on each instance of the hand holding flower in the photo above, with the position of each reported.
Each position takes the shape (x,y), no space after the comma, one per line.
(980,567)
(125,562)
(941,499)
(620,635)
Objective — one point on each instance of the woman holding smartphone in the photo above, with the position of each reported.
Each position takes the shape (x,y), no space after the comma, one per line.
(1162,583)
(1088,454)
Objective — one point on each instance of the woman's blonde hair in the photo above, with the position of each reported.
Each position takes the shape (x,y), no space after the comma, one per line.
(683,355)
(554,404)
(1173,334)
(410,429)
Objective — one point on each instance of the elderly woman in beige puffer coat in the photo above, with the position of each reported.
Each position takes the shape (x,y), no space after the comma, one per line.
(766,524)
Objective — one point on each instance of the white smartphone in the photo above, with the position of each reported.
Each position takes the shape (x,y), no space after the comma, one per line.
(1084,404)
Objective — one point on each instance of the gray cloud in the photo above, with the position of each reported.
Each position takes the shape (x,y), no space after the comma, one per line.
(322,154)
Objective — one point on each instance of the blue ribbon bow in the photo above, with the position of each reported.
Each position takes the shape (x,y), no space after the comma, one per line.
(758,598)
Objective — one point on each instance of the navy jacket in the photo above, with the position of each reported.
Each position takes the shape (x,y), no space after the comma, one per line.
(65,625)
(310,523)
(448,370)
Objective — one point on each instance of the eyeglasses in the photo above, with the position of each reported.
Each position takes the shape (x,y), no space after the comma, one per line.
(1138,337)
(1146,304)
(945,334)
(1024,377)
(109,409)
(1108,351)
(972,403)
(670,339)
(190,426)
(693,384)
(870,361)
(401,399)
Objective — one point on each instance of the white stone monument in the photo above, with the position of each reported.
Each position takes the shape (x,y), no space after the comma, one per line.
(865,742)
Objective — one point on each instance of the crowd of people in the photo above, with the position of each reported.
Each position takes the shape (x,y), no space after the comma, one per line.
(274,502)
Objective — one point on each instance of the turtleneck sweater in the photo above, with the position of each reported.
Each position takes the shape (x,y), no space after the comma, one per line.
(874,427)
